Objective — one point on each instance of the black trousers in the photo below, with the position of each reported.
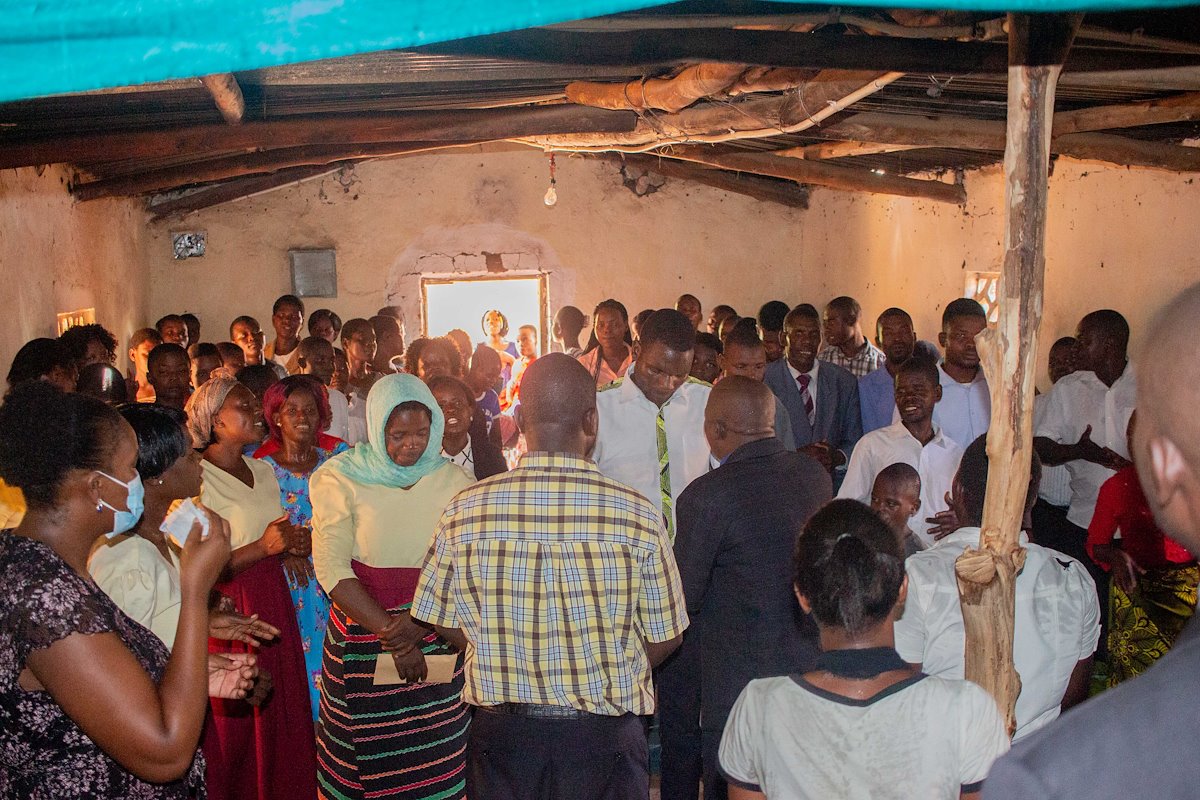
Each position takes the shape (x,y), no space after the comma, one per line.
(511,757)
(678,683)
(715,787)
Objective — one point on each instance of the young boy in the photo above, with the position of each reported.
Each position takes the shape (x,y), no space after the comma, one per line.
(914,440)
(896,498)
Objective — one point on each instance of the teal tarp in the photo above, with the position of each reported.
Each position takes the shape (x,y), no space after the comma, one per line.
(57,46)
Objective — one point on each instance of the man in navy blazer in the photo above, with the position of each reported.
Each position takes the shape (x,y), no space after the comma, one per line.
(837,421)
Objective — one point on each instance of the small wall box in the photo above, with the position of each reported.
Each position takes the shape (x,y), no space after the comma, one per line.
(314,273)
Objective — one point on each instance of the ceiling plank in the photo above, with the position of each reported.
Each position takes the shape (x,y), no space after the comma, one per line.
(420,126)
(227,95)
(822,174)
(830,150)
(227,167)
(818,50)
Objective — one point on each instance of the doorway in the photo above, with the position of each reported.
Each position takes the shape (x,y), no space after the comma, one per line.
(447,304)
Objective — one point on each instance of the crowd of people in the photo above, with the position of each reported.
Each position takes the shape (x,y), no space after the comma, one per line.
(348,566)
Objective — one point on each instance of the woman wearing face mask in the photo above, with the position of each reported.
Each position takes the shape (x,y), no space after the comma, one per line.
(374,511)
(297,411)
(139,569)
(268,751)
(91,704)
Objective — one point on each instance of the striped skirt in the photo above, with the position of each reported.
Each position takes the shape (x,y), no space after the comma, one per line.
(401,741)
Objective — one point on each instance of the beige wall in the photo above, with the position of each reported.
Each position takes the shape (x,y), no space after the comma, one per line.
(390,219)
(56,255)
(1116,238)
(1125,239)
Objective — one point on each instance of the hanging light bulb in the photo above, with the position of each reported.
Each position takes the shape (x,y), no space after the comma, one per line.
(551,196)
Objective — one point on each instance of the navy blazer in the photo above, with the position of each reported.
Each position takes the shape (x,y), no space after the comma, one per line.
(839,419)
(737,526)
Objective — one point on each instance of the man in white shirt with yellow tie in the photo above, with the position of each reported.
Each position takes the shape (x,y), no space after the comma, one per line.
(651,438)
(653,417)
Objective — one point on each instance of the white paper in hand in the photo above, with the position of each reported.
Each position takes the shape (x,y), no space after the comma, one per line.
(178,523)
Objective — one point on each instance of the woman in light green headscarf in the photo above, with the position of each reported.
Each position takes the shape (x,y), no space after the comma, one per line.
(374,512)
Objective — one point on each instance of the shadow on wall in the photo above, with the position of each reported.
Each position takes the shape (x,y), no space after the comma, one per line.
(486,249)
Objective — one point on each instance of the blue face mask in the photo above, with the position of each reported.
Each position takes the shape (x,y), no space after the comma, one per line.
(134,500)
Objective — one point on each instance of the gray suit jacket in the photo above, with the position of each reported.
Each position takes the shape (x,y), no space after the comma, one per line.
(839,420)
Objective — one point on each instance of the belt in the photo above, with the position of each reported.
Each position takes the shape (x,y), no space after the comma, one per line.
(537,710)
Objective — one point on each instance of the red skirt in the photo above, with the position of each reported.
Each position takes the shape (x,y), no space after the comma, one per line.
(266,752)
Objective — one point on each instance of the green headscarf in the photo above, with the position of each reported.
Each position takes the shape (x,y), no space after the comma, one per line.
(369,462)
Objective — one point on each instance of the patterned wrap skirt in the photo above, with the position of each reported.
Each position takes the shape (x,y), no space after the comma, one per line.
(1144,624)
(399,741)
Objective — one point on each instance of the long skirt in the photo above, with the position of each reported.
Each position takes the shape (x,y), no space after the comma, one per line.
(395,741)
(1145,623)
(266,752)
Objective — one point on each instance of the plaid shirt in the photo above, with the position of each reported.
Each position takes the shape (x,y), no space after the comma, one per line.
(868,359)
(555,574)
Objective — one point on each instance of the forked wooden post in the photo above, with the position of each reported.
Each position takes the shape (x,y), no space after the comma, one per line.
(1038,45)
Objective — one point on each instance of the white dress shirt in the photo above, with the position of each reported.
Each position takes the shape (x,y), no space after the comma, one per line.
(1077,401)
(1057,622)
(627,444)
(935,462)
(464,458)
(812,380)
(1055,487)
(339,408)
(965,410)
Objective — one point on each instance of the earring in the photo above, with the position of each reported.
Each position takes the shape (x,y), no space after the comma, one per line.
(160,481)
(99,507)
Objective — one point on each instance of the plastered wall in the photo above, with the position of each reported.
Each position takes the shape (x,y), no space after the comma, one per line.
(1119,238)
(56,255)
(439,212)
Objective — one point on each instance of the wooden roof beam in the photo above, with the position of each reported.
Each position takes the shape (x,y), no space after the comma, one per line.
(236,189)
(821,174)
(787,194)
(242,164)
(227,95)
(972,134)
(459,126)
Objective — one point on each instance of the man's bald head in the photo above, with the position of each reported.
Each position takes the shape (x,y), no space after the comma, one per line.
(739,410)
(558,405)
(1166,439)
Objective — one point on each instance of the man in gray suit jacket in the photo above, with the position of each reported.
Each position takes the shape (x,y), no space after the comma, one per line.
(821,398)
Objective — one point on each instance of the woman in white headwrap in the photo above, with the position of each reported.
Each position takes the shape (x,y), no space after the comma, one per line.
(267,751)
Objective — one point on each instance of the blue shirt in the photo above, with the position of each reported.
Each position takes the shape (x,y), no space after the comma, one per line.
(877,399)
(489,404)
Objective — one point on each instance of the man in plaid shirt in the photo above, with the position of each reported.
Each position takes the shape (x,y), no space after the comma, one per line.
(845,344)
(561,586)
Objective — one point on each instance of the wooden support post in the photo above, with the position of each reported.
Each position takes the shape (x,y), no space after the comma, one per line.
(1038,45)
(227,95)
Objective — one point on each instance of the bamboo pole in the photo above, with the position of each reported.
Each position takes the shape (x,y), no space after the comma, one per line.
(987,575)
